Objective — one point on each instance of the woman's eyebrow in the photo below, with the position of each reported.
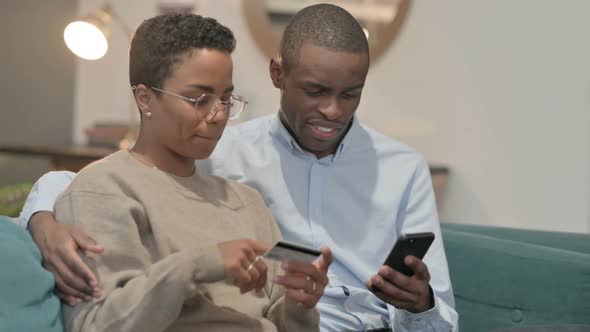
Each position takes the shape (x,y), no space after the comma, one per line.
(208,88)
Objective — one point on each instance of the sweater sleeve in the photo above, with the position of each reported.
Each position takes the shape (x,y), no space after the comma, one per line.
(285,313)
(139,292)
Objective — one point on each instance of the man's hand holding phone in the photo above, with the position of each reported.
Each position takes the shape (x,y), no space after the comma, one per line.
(403,280)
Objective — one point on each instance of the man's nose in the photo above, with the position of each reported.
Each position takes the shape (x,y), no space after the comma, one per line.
(330,109)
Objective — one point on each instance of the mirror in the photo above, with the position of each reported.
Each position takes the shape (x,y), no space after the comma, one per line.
(381,19)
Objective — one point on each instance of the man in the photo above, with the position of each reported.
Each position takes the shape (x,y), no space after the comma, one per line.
(327,179)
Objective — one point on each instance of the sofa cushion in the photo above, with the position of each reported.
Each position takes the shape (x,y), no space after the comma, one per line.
(501,282)
(27,301)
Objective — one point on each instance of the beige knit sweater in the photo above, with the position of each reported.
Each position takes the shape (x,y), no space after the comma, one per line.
(161,269)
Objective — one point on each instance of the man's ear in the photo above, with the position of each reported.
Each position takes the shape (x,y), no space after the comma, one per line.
(143,95)
(276,72)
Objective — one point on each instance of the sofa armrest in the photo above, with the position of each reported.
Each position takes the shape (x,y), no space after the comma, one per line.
(27,302)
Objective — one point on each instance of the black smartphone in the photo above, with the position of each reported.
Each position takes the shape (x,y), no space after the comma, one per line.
(415,244)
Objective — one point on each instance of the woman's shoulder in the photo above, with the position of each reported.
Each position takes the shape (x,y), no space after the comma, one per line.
(246,193)
(103,174)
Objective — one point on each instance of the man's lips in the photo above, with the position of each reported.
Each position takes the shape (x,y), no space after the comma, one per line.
(324,131)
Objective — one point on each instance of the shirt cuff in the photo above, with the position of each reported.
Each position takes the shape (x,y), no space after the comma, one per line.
(415,322)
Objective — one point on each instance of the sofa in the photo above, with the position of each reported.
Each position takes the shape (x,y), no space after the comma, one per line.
(27,301)
(509,278)
(502,278)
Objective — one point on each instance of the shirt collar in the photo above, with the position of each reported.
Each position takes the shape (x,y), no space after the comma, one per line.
(281,133)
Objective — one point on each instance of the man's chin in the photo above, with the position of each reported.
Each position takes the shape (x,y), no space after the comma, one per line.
(320,149)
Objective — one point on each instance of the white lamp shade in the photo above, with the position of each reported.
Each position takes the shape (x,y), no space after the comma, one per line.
(86,40)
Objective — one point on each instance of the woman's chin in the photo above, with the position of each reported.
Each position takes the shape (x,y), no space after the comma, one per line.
(203,152)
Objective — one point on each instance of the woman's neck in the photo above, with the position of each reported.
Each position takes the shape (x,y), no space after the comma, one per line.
(163,159)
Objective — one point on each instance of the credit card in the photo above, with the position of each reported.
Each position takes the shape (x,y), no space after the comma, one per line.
(285,251)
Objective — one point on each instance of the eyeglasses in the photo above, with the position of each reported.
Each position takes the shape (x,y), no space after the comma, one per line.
(212,103)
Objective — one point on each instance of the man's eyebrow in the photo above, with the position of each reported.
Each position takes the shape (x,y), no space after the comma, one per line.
(316,85)
(359,86)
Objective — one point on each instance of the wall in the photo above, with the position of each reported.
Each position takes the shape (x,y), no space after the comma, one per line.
(36,82)
(497,90)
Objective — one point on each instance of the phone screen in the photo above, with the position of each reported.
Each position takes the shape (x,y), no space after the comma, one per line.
(415,244)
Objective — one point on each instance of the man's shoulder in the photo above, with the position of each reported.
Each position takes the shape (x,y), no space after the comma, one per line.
(387,146)
(251,130)
(244,139)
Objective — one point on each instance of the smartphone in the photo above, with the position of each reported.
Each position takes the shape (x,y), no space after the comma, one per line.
(415,244)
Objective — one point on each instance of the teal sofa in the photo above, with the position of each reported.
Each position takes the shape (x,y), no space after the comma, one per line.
(27,301)
(509,278)
(502,278)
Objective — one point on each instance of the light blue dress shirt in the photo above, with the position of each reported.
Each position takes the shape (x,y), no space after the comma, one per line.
(357,201)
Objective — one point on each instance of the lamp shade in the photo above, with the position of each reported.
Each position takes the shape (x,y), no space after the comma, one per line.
(86,40)
(88,37)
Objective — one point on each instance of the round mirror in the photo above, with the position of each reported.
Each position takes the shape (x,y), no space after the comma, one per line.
(381,20)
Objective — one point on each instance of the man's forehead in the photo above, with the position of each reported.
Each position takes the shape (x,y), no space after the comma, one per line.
(330,68)
(308,48)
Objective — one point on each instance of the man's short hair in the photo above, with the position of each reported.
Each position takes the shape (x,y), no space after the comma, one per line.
(159,42)
(323,25)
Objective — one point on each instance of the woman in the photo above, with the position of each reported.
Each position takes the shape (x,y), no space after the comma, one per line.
(181,249)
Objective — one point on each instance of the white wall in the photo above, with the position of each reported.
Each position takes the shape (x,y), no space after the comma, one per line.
(497,90)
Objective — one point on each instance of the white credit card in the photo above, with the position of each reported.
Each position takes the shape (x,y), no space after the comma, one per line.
(285,251)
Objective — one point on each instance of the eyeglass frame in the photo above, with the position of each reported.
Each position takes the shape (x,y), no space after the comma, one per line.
(215,107)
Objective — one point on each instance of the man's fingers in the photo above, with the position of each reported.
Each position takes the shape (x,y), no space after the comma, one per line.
(81,270)
(86,243)
(396,278)
(391,291)
(420,269)
(400,304)
(72,280)
(69,300)
(67,291)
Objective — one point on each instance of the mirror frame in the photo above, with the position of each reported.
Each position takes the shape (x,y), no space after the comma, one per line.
(267,42)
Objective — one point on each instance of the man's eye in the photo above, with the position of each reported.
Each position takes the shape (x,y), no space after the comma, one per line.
(349,95)
(313,93)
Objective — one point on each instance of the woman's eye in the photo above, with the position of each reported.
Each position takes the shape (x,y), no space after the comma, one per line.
(204,100)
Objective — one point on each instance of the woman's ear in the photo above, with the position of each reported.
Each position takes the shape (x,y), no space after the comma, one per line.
(276,72)
(143,96)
